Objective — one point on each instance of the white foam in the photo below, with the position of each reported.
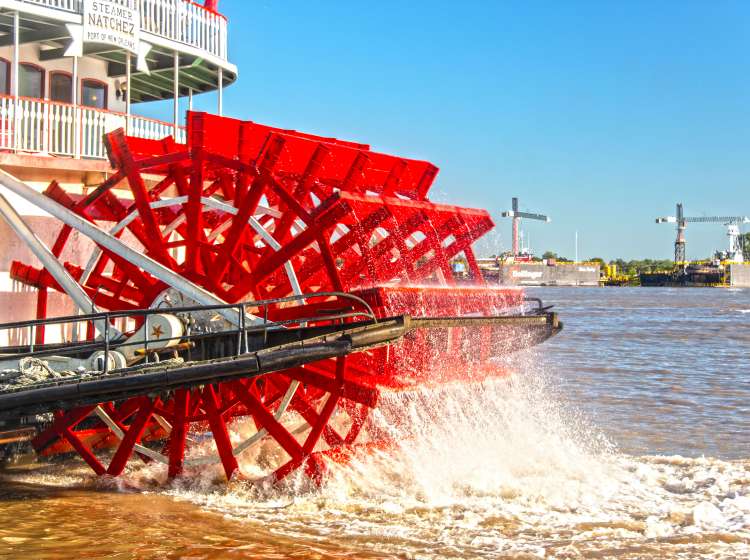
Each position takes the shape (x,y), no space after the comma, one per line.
(494,468)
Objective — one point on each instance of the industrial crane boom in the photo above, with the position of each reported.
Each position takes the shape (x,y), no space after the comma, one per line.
(517,215)
(705,220)
(682,221)
(719,220)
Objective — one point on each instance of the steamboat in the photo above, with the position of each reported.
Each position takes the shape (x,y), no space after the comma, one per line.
(164,282)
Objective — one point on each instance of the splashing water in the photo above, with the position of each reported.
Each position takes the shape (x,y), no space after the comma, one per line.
(484,470)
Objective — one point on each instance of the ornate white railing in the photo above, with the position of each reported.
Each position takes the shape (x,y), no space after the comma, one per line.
(182,21)
(186,22)
(68,5)
(39,126)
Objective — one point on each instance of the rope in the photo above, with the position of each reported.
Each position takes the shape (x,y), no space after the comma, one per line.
(30,371)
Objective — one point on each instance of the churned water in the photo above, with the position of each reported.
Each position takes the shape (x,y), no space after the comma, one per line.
(627,436)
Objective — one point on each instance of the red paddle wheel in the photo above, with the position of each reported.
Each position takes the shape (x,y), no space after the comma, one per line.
(249,212)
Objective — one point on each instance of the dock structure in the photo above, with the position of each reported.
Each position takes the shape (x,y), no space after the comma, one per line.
(543,273)
(739,275)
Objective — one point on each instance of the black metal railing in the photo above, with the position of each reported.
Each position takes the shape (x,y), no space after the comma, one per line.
(104,341)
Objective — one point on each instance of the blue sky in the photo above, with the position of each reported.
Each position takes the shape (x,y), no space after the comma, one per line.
(602,114)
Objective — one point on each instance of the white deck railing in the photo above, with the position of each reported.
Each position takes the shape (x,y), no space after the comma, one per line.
(40,126)
(178,20)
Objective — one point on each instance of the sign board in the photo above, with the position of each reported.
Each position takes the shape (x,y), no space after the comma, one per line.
(114,22)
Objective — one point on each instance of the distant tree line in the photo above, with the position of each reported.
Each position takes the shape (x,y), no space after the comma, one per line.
(631,267)
(637,266)
(551,255)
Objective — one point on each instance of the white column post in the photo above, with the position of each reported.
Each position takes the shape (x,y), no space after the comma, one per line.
(190,99)
(176,92)
(221,91)
(127,92)
(16,56)
(76,113)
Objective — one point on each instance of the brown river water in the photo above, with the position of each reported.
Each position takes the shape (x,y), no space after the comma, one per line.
(627,436)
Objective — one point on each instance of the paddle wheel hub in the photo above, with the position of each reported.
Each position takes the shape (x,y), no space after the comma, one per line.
(253,229)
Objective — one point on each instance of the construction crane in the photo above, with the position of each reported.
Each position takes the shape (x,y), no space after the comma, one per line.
(517,215)
(731,222)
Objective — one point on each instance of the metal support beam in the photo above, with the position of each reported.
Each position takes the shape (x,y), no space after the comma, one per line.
(105,240)
(516,215)
(16,81)
(516,227)
(128,72)
(26,37)
(76,113)
(50,262)
(88,50)
(679,245)
(221,92)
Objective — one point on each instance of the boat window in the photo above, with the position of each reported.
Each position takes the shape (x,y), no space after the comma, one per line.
(94,94)
(60,87)
(31,80)
(4,77)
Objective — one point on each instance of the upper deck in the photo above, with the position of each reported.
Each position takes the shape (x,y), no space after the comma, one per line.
(70,69)
(175,24)
(164,30)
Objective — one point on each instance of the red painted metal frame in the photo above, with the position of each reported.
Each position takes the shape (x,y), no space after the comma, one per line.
(344,218)
(214,407)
